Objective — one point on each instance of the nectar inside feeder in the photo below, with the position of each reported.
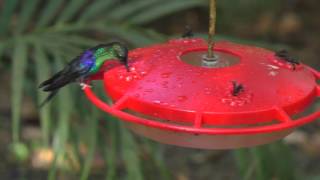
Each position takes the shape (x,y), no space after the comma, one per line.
(249,97)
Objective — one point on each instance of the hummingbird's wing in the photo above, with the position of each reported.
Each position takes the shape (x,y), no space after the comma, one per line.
(70,73)
(73,71)
(50,96)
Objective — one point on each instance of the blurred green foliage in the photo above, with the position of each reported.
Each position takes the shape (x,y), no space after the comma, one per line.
(39,37)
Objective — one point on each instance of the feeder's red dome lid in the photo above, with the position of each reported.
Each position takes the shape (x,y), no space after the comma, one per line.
(162,86)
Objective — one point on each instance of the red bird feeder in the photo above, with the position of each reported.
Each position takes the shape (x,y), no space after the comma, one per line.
(249,96)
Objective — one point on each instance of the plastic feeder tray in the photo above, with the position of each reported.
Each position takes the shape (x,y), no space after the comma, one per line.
(168,97)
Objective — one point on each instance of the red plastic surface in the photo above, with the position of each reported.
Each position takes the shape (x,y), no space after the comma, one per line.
(184,98)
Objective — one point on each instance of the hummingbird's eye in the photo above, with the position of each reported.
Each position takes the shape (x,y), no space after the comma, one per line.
(119,55)
(120,51)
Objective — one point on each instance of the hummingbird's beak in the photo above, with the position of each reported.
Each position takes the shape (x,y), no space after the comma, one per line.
(123,56)
(125,62)
(127,67)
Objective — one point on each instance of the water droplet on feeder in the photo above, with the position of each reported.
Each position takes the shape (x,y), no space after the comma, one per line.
(288,66)
(157,102)
(165,103)
(128,78)
(232,103)
(182,98)
(166,75)
(172,105)
(143,73)
(273,73)
(132,69)
(208,91)
(241,103)
(135,77)
(224,100)
(173,51)
(189,70)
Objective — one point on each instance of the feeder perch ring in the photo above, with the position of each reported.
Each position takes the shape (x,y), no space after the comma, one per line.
(172,101)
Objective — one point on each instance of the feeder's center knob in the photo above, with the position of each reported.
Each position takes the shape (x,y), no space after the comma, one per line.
(219,60)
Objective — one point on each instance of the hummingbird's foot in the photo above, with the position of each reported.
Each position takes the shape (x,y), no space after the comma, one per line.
(84,86)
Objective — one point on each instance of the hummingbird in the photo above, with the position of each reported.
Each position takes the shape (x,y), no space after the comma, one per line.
(83,66)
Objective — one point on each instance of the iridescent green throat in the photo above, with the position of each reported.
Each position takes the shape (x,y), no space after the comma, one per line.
(101,55)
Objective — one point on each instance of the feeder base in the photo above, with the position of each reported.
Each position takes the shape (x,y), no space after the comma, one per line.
(213,142)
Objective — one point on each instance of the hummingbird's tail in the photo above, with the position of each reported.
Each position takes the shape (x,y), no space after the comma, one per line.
(49,97)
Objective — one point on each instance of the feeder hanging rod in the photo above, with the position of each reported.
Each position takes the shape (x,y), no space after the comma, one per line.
(212,27)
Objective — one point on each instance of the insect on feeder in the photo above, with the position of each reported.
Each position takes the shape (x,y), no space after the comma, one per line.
(236,96)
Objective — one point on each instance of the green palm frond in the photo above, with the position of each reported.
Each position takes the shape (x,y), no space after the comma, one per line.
(166,7)
(26,15)
(42,68)
(7,15)
(48,13)
(19,63)
(131,155)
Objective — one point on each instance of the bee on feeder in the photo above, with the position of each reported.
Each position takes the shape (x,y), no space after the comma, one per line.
(188,33)
(284,55)
(237,88)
